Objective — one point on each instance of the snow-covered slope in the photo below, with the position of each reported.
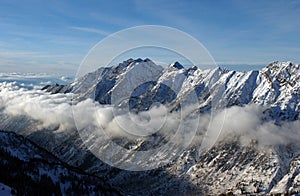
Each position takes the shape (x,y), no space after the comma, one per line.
(230,166)
(6,190)
(29,169)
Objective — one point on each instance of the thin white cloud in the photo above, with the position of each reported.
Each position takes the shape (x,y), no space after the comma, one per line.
(91,30)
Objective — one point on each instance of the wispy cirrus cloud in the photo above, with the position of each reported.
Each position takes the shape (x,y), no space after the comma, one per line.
(91,30)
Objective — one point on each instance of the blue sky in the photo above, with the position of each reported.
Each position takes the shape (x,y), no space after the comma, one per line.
(54,36)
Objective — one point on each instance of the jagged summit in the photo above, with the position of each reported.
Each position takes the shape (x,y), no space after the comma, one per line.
(282,74)
(176,65)
(138,60)
(131,62)
(276,65)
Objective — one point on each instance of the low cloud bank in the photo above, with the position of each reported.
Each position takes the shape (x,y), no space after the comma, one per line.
(55,110)
(248,123)
(34,80)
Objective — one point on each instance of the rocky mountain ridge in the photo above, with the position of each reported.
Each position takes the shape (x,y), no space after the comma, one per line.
(276,87)
(231,166)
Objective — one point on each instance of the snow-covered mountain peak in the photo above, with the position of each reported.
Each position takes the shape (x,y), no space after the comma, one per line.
(131,63)
(287,68)
(282,74)
(276,87)
(142,68)
(176,65)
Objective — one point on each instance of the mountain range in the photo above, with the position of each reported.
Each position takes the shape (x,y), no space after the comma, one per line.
(264,164)
(276,87)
